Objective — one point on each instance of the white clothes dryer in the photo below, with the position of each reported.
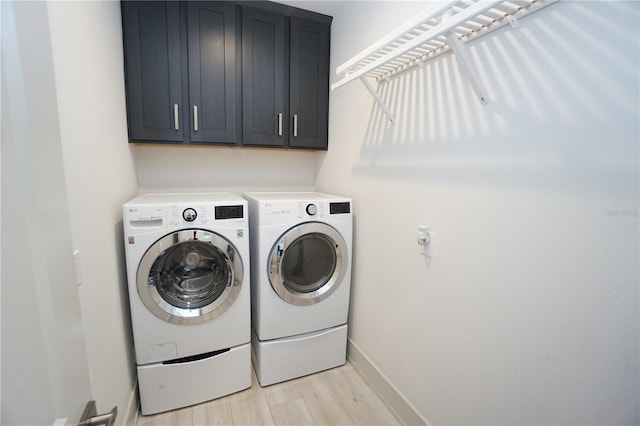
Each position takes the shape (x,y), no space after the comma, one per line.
(188,274)
(301,245)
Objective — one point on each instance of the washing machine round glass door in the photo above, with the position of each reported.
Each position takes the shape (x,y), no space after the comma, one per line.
(189,276)
(308,263)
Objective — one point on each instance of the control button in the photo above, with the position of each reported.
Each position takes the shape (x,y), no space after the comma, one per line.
(312,209)
(189,215)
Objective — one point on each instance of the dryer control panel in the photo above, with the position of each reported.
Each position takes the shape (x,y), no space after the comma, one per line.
(311,209)
(275,212)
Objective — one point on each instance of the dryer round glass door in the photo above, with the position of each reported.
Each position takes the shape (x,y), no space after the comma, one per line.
(189,276)
(308,263)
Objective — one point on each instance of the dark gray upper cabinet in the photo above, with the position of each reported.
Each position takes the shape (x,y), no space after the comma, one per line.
(309,84)
(285,80)
(182,71)
(265,84)
(153,51)
(214,72)
(252,73)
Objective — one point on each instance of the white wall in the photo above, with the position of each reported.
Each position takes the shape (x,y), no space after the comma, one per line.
(86,40)
(162,168)
(44,363)
(529,312)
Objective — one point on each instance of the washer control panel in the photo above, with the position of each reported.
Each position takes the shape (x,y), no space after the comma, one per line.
(185,214)
(180,215)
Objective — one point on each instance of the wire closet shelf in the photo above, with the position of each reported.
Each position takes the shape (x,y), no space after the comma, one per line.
(430,34)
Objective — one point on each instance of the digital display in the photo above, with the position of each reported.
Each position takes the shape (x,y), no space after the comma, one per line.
(340,208)
(229,212)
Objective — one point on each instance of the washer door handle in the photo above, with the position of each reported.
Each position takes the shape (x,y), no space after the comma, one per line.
(278,258)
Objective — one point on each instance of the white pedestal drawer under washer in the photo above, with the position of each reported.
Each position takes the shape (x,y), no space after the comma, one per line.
(301,244)
(188,276)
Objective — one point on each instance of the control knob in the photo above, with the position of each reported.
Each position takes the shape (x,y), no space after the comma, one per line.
(189,214)
(312,209)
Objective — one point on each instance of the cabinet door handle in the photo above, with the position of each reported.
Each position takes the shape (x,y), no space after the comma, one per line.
(176,117)
(295,125)
(280,124)
(195,118)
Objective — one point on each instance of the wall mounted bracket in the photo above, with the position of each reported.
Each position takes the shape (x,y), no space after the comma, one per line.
(466,67)
(377,98)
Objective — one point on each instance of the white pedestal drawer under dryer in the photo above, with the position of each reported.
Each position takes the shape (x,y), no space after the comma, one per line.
(301,246)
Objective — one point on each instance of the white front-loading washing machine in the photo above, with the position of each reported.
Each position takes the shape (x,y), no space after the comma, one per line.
(188,274)
(301,246)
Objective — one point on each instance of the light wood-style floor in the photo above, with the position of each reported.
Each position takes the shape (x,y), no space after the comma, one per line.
(334,397)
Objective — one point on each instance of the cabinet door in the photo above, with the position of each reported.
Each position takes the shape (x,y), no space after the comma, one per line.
(214,72)
(309,84)
(264,78)
(153,70)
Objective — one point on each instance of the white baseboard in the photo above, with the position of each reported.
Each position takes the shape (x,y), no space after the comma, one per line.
(130,414)
(395,401)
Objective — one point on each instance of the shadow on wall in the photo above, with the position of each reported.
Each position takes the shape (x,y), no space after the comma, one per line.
(564,89)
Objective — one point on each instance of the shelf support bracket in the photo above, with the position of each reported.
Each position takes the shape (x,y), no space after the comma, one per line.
(464,62)
(377,98)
